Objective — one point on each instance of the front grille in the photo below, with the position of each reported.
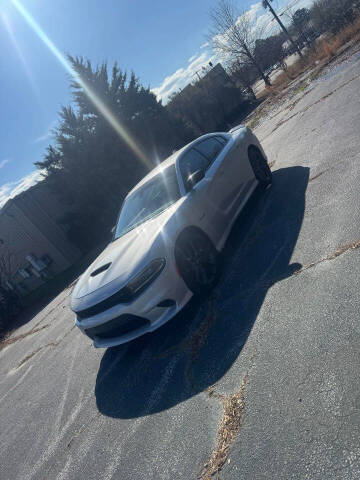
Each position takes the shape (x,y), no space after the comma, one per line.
(117,327)
(122,296)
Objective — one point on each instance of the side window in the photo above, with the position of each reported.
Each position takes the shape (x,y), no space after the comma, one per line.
(190,163)
(210,148)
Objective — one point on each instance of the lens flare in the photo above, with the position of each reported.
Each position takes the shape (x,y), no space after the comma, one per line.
(19,53)
(97,102)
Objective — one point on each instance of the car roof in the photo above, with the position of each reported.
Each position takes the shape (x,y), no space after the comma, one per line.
(171,160)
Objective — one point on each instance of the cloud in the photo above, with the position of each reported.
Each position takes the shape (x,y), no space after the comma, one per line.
(4,162)
(11,189)
(179,79)
(191,59)
(255,10)
(48,134)
(42,138)
(263,23)
(185,75)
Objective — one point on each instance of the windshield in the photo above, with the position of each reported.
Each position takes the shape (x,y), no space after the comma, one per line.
(149,200)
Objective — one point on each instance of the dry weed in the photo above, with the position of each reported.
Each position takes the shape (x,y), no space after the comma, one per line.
(323,51)
(232,411)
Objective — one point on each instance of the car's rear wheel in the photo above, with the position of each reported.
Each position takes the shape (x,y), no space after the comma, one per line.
(197,261)
(260,167)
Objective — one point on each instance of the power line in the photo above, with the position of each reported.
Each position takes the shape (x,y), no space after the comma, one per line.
(266,4)
(290,5)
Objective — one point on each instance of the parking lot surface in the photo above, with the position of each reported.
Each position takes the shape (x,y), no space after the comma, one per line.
(280,334)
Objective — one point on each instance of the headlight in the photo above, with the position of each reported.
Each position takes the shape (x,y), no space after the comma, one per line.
(146,276)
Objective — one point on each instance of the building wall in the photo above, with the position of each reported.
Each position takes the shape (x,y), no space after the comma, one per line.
(28,226)
(40,194)
(44,218)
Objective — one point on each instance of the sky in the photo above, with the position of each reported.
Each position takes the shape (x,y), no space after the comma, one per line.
(163,42)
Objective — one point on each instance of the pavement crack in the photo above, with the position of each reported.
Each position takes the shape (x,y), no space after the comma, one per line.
(337,253)
(316,176)
(49,344)
(197,341)
(230,424)
(55,344)
(324,97)
(82,428)
(32,354)
(8,339)
(54,307)
(27,358)
(268,283)
(192,344)
(11,340)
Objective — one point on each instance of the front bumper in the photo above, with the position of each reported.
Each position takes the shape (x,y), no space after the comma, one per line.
(142,315)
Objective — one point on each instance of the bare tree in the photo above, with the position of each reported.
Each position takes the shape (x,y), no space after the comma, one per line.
(233,35)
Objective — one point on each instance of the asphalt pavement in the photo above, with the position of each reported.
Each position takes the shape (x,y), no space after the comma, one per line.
(281,331)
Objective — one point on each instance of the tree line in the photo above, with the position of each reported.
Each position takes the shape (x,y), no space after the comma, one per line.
(249,53)
(91,167)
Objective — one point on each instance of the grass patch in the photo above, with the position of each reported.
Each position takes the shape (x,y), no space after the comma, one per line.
(314,76)
(254,122)
(10,340)
(301,88)
(296,69)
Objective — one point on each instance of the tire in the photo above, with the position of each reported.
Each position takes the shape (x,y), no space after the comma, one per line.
(260,167)
(197,260)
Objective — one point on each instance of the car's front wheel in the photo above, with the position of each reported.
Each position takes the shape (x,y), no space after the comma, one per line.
(197,261)
(260,167)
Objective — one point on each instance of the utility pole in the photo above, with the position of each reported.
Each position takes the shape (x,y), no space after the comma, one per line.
(266,4)
(298,28)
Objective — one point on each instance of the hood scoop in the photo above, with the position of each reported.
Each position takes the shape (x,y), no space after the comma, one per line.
(100,269)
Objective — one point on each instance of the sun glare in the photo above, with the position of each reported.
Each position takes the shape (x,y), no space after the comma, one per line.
(99,105)
(19,53)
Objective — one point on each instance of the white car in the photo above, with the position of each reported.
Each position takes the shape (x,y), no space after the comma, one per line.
(169,232)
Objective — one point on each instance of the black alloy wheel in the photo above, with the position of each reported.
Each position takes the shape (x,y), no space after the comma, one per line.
(197,261)
(260,167)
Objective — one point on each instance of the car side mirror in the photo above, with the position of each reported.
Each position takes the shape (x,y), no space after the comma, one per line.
(195,178)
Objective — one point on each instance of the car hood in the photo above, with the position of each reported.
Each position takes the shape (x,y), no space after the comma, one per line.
(123,257)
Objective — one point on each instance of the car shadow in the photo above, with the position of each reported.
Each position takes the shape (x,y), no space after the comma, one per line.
(197,347)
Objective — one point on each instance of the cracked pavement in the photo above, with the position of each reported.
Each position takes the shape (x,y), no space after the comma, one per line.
(284,316)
